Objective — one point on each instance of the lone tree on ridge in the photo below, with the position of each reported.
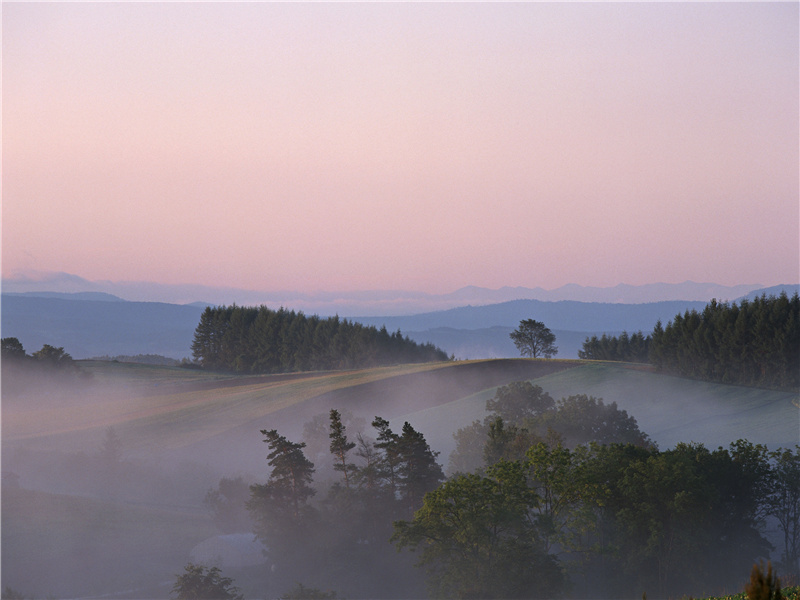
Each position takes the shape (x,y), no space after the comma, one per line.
(532,338)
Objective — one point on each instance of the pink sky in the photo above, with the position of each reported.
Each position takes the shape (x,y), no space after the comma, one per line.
(402,146)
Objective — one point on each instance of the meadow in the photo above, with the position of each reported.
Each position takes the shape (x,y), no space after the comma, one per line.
(181,430)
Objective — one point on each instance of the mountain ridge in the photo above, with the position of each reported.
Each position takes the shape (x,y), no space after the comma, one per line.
(369,303)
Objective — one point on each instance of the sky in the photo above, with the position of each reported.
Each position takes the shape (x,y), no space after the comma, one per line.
(418,146)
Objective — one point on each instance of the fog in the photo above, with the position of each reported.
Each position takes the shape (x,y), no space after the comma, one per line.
(105,485)
(171,453)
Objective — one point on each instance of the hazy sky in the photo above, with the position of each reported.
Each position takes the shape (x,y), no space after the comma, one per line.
(341,146)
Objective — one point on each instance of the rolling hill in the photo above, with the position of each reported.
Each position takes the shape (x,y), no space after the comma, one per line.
(194,415)
(181,430)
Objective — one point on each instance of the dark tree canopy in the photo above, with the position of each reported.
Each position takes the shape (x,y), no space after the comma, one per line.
(519,400)
(289,485)
(477,540)
(755,342)
(532,338)
(12,349)
(54,357)
(340,446)
(202,583)
(260,340)
(626,348)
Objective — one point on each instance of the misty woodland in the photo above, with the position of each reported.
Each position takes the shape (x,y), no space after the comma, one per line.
(540,496)
(400,300)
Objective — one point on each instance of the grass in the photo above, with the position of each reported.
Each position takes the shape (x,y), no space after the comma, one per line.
(669,409)
(148,401)
(673,409)
(788,593)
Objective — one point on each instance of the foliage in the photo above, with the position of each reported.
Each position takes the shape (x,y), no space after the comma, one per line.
(478,540)
(581,419)
(12,349)
(49,360)
(53,357)
(419,472)
(753,343)
(626,348)
(519,400)
(201,583)
(788,593)
(685,519)
(763,585)
(260,340)
(506,442)
(521,415)
(558,476)
(783,503)
(532,338)
(279,507)
(340,446)
(288,487)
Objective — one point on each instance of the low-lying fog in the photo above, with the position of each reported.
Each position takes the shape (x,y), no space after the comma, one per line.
(125,486)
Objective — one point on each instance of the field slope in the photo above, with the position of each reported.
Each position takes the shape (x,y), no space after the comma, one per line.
(182,429)
(669,409)
(217,418)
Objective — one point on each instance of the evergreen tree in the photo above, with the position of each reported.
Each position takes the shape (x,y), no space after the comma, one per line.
(259,340)
(751,343)
(340,447)
(388,443)
(418,470)
(289,485)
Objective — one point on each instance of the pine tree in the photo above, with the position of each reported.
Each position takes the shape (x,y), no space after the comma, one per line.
(419,472)
(289,485)
(340,447)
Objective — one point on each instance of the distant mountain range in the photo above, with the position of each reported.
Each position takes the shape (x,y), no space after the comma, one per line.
(370,302)
(92,323)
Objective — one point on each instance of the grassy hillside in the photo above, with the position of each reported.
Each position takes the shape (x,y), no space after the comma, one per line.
(183,429)
(669,409)
(192,415)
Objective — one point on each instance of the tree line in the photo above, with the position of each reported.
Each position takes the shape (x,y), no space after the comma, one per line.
(261,340)
(618,514)
(626,348)
(553,508)
(26,373)
(755,342)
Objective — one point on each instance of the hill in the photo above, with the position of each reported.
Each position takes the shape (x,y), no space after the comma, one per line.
(180,414)
(368,302)
(181,430)
(669,409)
(188,414)
(97,327)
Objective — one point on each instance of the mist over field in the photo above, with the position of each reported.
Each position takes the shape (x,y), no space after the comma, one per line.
(105,475)
(399,300)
